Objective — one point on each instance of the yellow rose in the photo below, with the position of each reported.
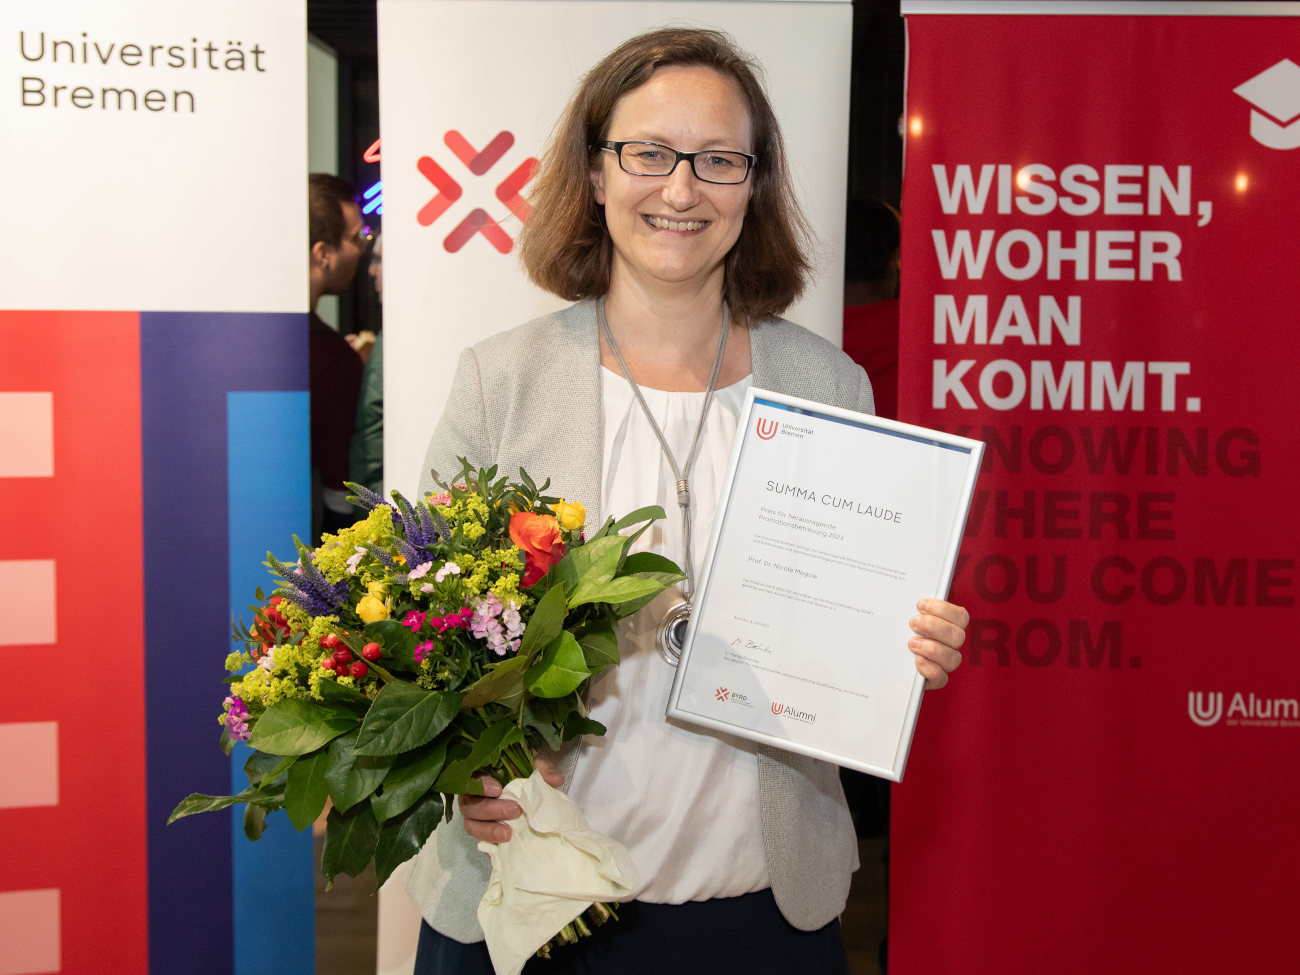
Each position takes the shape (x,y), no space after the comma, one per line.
(569,514)
(372,609)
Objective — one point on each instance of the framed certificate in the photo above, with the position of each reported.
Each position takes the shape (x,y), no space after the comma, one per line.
(831,526)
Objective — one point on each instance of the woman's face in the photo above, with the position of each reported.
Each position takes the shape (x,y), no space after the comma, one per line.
(674,230)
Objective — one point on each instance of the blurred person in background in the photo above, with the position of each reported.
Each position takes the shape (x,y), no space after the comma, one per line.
(366,458)
(336,246)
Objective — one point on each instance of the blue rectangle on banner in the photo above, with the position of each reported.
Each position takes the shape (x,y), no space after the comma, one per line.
(268,504)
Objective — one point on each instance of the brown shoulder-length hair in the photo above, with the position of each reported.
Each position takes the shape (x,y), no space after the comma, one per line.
(564,245)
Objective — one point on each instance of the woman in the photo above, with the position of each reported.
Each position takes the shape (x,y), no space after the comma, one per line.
(664,209)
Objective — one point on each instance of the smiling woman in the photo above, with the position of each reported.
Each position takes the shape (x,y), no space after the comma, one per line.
(664,208)
(673,230)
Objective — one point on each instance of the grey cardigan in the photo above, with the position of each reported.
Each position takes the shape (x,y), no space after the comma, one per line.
(530,397)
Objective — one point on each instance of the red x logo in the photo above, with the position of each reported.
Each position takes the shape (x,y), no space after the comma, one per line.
(721,693)
(478,162)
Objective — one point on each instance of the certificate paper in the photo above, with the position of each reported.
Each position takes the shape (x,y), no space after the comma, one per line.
(831,526)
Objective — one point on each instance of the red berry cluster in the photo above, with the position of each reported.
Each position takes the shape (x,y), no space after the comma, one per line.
(340,659)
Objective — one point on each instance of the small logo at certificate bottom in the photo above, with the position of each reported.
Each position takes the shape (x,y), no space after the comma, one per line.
(793,714)
(735,698)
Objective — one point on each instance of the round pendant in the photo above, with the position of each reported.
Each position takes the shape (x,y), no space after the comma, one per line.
(672,632)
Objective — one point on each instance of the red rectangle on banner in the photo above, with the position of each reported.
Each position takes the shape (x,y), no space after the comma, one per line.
(72,516)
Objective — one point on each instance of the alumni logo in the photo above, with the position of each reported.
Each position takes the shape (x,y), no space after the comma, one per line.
(793,714)
(1243,710)
(1205,709)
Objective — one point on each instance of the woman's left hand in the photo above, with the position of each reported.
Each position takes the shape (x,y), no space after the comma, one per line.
(939,630)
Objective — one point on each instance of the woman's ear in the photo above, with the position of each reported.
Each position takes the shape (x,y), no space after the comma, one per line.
(597,175)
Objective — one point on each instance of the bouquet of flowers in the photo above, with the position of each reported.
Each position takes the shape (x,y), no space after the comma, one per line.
(426,645)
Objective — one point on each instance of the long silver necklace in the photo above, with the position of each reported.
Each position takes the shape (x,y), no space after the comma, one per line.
(672,628)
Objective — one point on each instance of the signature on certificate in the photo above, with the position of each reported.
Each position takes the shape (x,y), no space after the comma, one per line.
(744,643)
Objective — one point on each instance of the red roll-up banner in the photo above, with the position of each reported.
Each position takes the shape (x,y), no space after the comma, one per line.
(1100,280)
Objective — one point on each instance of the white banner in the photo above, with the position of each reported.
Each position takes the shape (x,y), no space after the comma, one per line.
(469,92)
(177,189)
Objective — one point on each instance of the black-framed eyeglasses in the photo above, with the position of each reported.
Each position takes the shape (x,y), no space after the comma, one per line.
(653,159)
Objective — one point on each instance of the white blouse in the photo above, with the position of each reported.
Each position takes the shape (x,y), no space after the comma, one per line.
(683,800)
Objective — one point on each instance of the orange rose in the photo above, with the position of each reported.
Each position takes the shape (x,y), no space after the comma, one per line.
(538,536)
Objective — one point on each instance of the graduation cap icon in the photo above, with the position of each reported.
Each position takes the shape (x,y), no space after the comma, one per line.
(1275,93)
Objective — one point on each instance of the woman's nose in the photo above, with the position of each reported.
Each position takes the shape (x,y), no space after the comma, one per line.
(681,186)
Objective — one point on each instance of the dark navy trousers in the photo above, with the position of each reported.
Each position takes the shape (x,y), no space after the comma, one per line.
(734,934)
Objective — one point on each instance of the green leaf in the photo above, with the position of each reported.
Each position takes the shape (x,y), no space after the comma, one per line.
(546,719)
(352,777)
(332,692)
(409,779)
(598,565)
(405,716)
(297,727)
(349,842)
(254,821)
(561,669)
(615,591)
(547,621)
(597,561)
(401,838)
(650,565)
(647,565)
(503,684)
(575,726)
(599,648)
(458,776)
(649,513)
(197,802)
(305,790)
(563,572)
(262,768)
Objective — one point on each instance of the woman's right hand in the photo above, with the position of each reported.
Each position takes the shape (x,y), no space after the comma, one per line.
(484,816)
